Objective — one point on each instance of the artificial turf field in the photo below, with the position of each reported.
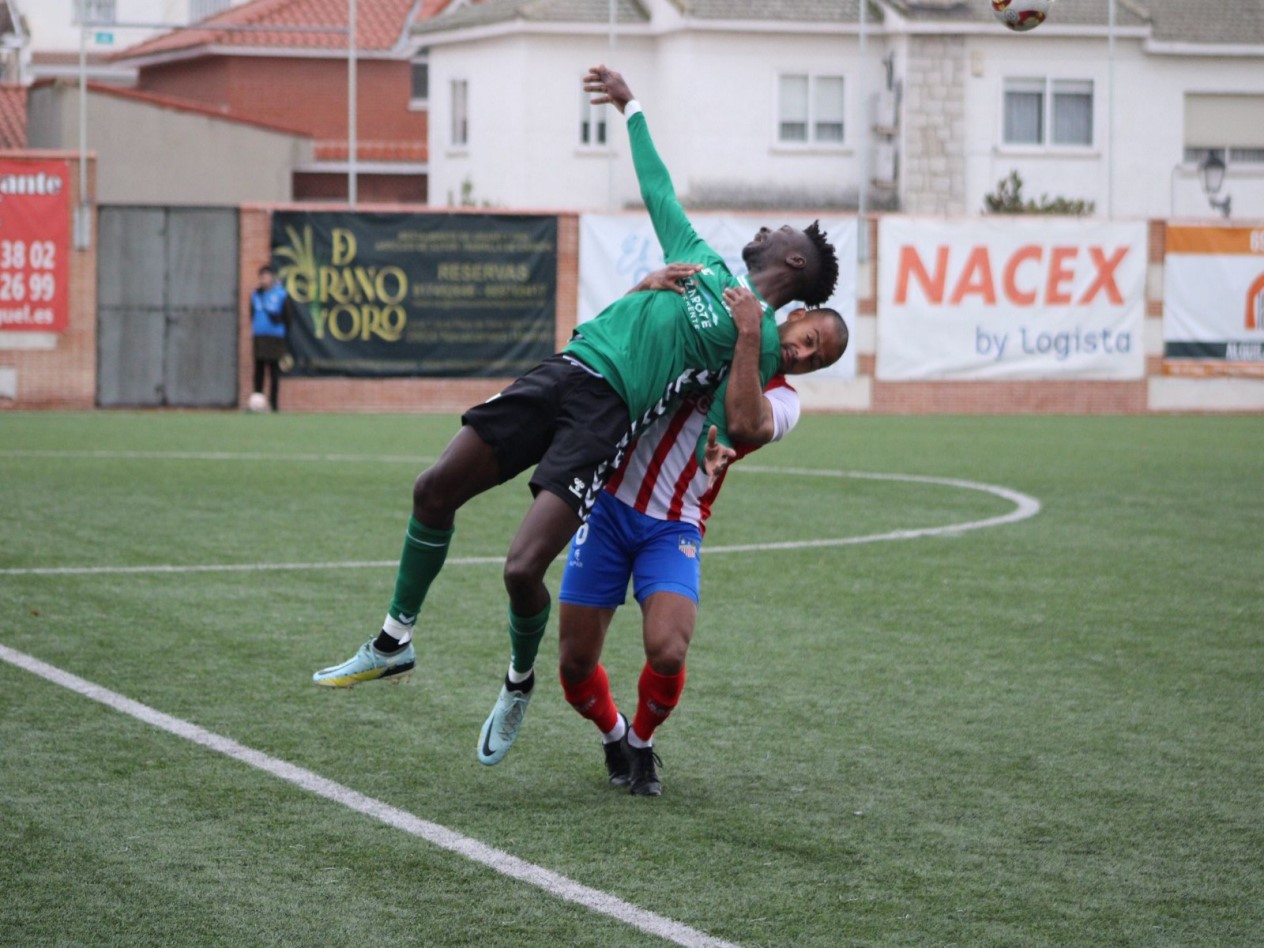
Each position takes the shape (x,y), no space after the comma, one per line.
(1041,732)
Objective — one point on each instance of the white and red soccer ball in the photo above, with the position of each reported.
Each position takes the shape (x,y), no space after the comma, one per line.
(1021,15)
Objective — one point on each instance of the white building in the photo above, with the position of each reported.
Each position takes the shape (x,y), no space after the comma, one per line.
(54,30)
(791,103)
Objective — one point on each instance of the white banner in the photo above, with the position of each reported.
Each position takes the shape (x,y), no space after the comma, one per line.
(1214,298)
(1010,298)
(617,250)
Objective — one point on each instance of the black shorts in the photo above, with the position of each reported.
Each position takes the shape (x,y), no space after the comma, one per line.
(563,418)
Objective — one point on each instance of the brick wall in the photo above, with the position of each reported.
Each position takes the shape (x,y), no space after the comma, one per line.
(972,398)
(65,375)
(370,188)
(300,93)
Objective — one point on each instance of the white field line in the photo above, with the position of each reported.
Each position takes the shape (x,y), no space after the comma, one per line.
(649,922)
(494,859)
(233,567)
(214,456)
(1025,506)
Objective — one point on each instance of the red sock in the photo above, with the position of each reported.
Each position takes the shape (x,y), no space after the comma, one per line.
(657,696)
(592,699)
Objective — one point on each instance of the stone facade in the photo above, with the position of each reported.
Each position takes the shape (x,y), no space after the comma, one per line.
(932,158)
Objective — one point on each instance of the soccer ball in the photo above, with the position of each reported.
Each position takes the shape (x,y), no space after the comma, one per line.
(1021,15)
(257,402)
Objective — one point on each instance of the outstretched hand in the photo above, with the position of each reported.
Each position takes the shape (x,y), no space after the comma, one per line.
(606,85)
(716,457)
(668,278)
(744,305)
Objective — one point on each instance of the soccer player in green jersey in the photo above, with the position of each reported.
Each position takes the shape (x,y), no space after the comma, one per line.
(575,414)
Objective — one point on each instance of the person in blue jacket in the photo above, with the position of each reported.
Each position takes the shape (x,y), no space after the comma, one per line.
(269,320)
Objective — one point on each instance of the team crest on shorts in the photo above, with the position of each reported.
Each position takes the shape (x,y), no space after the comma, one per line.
(688,547)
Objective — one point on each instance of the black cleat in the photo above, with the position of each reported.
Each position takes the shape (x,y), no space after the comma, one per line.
(617,761)
(643,766)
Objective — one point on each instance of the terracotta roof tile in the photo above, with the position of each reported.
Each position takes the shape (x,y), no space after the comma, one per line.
(1186,22)
(484,12)
(380,25)
(12,117)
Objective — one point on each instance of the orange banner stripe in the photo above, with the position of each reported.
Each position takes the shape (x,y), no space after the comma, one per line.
(1215,240)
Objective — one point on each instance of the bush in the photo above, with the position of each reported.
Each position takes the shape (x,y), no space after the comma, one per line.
(1008,199)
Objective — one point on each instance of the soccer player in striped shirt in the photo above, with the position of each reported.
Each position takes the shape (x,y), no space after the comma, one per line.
(647,527)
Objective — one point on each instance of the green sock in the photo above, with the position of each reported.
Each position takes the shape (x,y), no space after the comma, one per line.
(424,552)
(524,639)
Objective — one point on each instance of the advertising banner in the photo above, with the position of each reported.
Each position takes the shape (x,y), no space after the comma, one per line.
(435,295)
(1213,322)
(617,250)
(34,245)
(1010,298)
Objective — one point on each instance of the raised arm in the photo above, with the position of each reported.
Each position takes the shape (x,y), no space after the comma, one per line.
(675,234)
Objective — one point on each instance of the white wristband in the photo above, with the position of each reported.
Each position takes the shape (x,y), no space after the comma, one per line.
(631,108)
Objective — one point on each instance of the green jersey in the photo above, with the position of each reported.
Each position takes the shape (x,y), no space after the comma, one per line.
(654,346)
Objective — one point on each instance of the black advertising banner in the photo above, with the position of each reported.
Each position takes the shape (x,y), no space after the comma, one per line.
(437,295)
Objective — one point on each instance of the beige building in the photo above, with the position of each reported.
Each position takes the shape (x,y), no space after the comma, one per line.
(156,150)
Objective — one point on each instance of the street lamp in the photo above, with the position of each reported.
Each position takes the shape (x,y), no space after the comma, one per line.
(1212,172)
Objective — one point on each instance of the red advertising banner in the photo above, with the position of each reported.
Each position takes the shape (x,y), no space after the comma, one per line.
(34,245)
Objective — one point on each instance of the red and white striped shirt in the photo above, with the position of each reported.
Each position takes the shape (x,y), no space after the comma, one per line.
(661,477)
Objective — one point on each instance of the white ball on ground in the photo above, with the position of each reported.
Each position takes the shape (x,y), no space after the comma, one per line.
(257,402)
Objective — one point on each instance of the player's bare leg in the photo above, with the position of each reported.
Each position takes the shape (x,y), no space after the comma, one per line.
(466,468)
(547,528)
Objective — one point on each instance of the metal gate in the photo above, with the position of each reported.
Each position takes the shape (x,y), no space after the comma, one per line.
(167,291)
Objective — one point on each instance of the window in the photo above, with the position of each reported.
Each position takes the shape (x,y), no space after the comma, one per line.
(1024,112)
(95,11)
(201,9)
(810,109)
(1232,157)
(1073,113)
(1045,112)
(1195,154)
(421,77)
(1228,124)
(592,122)
(827,111)
(1246,156)
(793,109)
(460,132)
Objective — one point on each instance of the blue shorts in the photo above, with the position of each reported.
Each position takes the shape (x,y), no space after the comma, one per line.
(619,542)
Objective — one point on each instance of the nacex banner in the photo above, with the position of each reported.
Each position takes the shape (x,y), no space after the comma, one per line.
(1010,298)
(398,294)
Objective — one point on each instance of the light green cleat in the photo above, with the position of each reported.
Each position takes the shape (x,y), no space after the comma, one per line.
(500,729)
(368,664)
